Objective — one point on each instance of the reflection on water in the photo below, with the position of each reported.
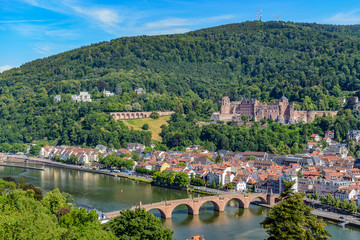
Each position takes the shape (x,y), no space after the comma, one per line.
(105,193)
(108,194)
(234,223)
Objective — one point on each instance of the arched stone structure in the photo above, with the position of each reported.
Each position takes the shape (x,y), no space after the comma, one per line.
(131,115)
(162,213)
(241,203)
(190,209)
(215,204)
(194,204)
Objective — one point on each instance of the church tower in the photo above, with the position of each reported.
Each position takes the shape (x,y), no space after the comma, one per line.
(225,105)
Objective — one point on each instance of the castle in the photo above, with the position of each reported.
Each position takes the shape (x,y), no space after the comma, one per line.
(280,111)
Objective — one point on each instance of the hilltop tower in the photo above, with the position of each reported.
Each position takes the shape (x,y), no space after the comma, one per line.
(225,105)
(283,105)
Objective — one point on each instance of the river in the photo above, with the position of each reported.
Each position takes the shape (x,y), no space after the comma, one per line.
(107,194)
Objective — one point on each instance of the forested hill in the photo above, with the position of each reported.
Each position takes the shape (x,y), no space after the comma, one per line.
(251,59)
(312,64)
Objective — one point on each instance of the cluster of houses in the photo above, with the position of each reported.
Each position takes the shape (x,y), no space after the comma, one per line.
(322,171)
(327,145)
(83,96)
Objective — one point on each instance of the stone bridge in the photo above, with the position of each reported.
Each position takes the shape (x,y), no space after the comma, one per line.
(133,115)
(193,204)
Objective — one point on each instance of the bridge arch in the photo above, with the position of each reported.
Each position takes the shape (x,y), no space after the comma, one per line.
(162,213)
(216,205)
(241,203)
(189,208)
(259,197)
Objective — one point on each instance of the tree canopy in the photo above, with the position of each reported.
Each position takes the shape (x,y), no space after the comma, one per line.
(139,225)
(292,219)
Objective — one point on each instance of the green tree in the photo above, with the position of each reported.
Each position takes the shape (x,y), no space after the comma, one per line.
(292,219)
(337,202)
(352,207)
(34,150)
(229,186)
(139,225)
(6,187)
(244,118)
(54,200)
(316,196)
(154,115)
(145,127)
(182,179)
(344,205)
(73,159)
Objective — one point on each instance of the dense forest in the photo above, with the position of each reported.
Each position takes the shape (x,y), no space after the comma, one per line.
(314,65)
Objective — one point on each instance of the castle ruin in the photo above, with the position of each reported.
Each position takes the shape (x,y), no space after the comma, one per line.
(280,111)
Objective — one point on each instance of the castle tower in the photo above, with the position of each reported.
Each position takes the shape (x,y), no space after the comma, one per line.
(283,105)
(225,105)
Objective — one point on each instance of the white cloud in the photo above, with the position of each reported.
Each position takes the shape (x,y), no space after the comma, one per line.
(43,49)
(173,22)
(169,31)
(352,17)
(5,67)
(177,22)
(21,21)
(105,16)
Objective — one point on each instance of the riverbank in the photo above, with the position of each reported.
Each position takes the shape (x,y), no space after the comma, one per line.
(17,166)
(45,162)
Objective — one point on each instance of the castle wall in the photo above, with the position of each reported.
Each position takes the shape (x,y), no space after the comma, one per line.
(309,116)
(282,111)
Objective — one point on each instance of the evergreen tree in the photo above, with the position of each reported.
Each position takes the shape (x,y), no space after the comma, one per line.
(292,219)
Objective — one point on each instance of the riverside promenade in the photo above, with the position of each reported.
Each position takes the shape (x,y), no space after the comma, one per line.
(336,217)
(46,162)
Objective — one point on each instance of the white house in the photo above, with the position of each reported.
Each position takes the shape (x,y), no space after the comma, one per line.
(346,193)
(107,93)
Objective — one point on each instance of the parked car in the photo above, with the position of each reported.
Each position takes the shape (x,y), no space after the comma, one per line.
(341,217)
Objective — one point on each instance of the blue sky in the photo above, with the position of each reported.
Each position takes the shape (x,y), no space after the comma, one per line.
(31,29)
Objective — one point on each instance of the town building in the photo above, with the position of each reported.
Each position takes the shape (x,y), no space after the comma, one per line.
(57,98)
(139,90)
(354,135)
(107,93)
(315,137)
(306,185)
(325,187)
(82,97)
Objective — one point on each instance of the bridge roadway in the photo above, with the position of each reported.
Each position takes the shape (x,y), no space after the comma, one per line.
(193,204)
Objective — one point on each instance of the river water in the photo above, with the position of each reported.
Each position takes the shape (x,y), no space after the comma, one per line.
(107,194)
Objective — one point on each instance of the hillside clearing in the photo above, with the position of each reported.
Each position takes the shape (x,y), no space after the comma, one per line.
(154,125)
